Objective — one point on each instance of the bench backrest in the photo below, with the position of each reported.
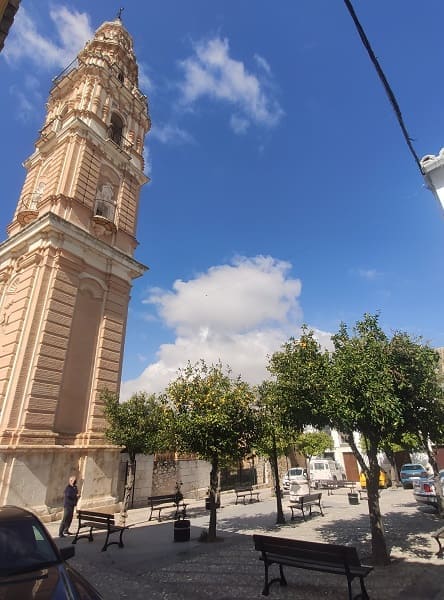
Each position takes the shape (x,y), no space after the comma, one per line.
(244,488)
(310,551)
(310,497)
(162,499)
(96,517)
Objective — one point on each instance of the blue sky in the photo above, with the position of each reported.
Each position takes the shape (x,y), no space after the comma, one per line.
(282,190)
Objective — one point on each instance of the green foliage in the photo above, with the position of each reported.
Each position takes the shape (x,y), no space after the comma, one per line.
(383,388)
(301,372)
(214,413)
(273,432)
(313,443)
(362,394)
(418,386)
(139,425)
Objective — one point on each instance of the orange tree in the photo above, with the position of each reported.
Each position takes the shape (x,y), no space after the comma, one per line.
(313,443)
(139,426)
(214,417)
(415,368)
(384,388)
(274,437)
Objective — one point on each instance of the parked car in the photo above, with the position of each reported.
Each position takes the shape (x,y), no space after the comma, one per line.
(384,480)
(424,490)
(31,565)
(296,475)
(410,471)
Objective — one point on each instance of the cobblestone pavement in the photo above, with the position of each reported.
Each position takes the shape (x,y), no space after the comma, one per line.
(154,567)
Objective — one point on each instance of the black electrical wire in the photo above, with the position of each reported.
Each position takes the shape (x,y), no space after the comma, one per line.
(385,83)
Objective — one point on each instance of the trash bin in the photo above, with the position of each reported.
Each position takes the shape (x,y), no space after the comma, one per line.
(182,530)
(207,503)
(353,498)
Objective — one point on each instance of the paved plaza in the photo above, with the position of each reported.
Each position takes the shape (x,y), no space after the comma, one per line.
(154,567)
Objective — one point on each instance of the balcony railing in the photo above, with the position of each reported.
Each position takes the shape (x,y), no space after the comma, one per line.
(73,65)
(104,209)
(117,137)
(28,209)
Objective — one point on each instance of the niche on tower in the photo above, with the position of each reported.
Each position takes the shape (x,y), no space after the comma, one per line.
(79,367)
(105,202)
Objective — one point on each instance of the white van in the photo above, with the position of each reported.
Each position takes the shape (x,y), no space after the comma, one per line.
(323,470)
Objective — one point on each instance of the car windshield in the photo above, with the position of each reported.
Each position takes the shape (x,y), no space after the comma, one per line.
(295,472)
(413,468)
(319,466)
(24,547)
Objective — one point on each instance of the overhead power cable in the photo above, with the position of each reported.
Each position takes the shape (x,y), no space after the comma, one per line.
(385,83)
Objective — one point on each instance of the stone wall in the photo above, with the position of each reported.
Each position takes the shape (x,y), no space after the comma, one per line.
(36,478)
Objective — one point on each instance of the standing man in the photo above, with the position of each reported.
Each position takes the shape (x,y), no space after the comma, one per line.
(71,495)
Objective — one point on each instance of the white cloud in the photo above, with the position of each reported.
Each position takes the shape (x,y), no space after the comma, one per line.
(72,31)
(239,124)
(368,274)
(211,72)
(170,134)
(239,313)
(262,63)
(146,160)
(28,99)
(145,81)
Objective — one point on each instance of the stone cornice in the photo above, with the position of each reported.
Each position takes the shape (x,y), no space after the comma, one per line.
(52,230)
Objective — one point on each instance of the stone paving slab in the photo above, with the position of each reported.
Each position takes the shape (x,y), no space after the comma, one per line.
(153,566)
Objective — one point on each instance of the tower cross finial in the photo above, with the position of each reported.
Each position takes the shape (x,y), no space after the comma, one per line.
(119,13)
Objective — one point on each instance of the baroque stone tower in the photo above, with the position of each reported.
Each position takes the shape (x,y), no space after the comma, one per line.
(66,271)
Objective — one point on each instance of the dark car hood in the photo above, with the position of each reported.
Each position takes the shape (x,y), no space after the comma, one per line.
(58,582)
(44,584)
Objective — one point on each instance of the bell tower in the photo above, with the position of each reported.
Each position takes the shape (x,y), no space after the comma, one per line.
(66,271)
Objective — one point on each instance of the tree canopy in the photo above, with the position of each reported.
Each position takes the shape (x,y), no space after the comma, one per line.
(313,443)
(214,417)
(138,425)
(301,370)
(380,387)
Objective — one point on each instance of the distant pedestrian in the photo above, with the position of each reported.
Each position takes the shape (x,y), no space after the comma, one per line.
(71,495)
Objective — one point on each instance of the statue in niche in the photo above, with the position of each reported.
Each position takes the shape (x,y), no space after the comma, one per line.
(106,193)
(104,205)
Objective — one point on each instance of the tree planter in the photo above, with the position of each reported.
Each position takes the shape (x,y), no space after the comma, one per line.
(353,498)
(182,530)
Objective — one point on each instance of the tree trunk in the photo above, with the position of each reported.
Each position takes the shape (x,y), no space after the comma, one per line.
(280,519)
(129,485)
(214,481)
(393,468)
(380,552)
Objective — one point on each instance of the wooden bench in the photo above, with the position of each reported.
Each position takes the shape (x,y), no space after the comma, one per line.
(89,519)
(167,501)
(304,502)
(437,535)
(246,491)
(330,486)
(348,484)
(315,556)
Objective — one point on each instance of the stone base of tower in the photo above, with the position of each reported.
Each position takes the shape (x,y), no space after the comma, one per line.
(35,478)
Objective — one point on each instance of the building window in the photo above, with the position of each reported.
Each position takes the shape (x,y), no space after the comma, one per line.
(116,129)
